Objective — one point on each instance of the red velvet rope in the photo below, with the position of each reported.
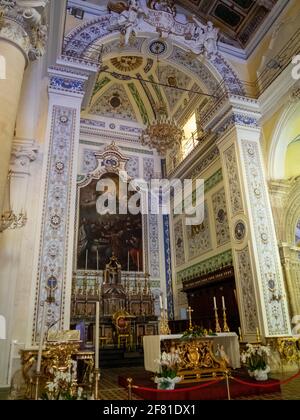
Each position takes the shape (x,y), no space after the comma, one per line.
(215,381)
(206,385)
(286,381)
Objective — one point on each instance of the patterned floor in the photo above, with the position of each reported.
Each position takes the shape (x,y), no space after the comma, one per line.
(109,389)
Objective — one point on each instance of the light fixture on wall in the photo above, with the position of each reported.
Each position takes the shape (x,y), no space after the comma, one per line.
(10,220)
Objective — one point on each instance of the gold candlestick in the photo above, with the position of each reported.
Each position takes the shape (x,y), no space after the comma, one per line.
(190,311)
(218,328)
(241,335)
(164,324)
(258,337)
(225,325)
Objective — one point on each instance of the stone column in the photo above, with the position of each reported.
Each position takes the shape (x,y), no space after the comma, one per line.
(258,272)
(22,38)
(54,262)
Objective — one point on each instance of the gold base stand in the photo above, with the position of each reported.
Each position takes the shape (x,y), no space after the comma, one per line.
(218,328)
(225,327)
(164,324)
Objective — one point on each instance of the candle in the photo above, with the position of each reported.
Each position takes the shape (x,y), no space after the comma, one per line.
(97,260)
(138,261)
(240,332)
(42,333)
(86,259)
(223,303)
(160,302)
(166,304)
(128,262)
(215,303)
(97,335)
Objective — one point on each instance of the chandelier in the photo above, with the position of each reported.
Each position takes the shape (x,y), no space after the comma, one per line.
(10,220)
(162,133)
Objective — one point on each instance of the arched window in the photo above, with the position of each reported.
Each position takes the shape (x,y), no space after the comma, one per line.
(190,135)
(297,236)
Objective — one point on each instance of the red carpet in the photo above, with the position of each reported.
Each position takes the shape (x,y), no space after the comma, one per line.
(216,391)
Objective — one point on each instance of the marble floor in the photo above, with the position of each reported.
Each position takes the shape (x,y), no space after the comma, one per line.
(110,390)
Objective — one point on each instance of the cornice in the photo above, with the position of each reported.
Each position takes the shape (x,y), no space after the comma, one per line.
(24,25)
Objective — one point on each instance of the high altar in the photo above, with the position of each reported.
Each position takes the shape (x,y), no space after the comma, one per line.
(125,310)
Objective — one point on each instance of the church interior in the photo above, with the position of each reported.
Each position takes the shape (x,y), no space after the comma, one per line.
(150,199)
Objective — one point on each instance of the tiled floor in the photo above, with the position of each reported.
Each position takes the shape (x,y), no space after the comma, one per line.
(109,389)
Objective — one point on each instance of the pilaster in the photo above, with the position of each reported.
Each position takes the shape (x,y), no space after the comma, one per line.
(259,278)
(54,260)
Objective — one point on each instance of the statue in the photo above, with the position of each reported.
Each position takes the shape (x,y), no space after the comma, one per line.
(129,20)
(211,38)
(202,39)
(163,6)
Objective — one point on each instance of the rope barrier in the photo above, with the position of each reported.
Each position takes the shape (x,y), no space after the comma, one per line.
(286,381)
(206,385)
(213,382)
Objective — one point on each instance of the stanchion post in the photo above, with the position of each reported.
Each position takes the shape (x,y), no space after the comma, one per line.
(129,387)
(96,385)
(227,385)
(37,383)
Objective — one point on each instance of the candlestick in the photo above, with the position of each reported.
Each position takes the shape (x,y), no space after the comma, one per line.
(223,303)
(215,303)
(97,335)
(160,302)
(258,338)
(42,333)
(225,325)
(189,311)
(240,334)
(86,259)
(40,351)
(218,328)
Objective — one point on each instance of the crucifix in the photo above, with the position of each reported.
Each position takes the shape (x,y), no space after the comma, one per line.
(190,311)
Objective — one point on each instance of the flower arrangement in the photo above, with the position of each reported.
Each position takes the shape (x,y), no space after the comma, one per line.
(63,385)
(168,369)
(196,332)
(255,358)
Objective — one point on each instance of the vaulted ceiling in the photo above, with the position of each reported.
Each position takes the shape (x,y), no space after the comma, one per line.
(128,89)
(238,20)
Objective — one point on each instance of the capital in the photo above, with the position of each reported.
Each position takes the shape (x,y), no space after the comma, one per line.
(24,24)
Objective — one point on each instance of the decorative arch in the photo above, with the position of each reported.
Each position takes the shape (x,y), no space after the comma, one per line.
(292,214)
(280,142)
(209,71)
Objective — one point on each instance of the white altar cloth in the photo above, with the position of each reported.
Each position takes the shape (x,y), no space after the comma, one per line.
(152,348)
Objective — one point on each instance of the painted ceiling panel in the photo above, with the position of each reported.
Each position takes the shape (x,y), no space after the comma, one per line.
(114,103)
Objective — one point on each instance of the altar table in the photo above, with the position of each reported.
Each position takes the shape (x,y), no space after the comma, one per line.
(152,348)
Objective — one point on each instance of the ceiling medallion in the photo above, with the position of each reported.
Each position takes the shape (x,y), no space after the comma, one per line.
(162,133)
(158,47)
(127,63)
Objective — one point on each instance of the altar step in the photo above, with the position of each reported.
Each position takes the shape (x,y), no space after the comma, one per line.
(114,358)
